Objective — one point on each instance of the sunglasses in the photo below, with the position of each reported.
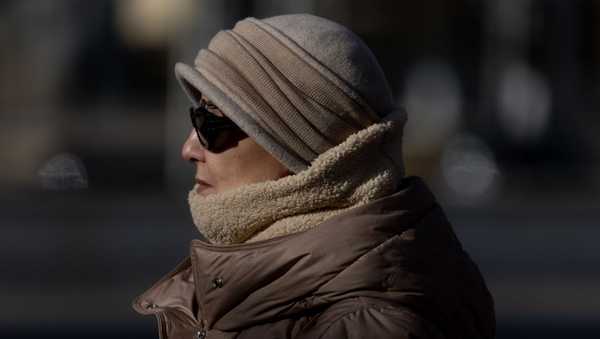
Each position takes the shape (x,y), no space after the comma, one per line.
(210,126)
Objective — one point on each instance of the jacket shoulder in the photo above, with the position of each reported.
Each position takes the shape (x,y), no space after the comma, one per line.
(361,317)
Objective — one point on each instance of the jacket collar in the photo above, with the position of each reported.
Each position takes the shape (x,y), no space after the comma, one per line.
(238,285)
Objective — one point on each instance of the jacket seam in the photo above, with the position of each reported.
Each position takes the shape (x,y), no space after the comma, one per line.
(385,242)
(356,311)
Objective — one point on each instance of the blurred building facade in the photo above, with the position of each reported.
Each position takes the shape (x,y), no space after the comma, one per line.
(503,99)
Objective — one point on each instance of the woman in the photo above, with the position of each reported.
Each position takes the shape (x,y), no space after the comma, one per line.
(313,231)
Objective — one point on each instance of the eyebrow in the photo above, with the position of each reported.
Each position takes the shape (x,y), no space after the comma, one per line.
(211,105)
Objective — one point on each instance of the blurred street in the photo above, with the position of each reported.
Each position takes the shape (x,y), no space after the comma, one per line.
(503,102)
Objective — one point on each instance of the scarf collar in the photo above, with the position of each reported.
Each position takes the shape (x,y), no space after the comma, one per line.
(365,167)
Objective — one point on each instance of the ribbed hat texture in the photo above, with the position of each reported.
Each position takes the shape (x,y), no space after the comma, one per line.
(297,84)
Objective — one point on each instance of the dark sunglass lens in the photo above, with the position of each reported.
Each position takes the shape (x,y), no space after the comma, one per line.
(198,117)
(198,121)
(211,128)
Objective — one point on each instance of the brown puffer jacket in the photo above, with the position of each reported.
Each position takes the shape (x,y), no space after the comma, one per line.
(390,269)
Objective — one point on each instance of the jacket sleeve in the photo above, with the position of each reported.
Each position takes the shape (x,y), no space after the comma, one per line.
(382,323)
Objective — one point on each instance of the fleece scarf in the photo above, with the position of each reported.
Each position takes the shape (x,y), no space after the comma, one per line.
(365,167)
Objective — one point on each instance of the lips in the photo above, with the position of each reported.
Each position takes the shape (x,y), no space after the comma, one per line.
(201,185)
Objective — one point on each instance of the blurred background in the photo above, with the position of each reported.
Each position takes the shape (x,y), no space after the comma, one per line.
(503,99)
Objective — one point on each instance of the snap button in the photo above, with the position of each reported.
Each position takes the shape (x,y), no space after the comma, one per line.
(201,334)
(218,283)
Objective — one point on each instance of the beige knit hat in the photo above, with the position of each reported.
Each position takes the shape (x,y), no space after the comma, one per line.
(297,84)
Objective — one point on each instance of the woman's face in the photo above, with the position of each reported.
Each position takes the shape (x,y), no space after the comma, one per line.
(239,162)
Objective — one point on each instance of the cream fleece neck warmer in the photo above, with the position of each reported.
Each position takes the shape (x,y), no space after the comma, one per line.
(365,167)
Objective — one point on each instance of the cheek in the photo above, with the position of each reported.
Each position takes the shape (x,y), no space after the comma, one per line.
(247,163)
(229,169)
(255,164)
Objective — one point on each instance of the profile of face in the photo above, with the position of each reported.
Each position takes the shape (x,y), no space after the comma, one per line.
(238,161)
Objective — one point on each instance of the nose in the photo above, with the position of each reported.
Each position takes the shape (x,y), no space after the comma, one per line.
(192,150)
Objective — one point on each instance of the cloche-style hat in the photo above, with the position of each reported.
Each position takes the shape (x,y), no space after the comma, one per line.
(297,84)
